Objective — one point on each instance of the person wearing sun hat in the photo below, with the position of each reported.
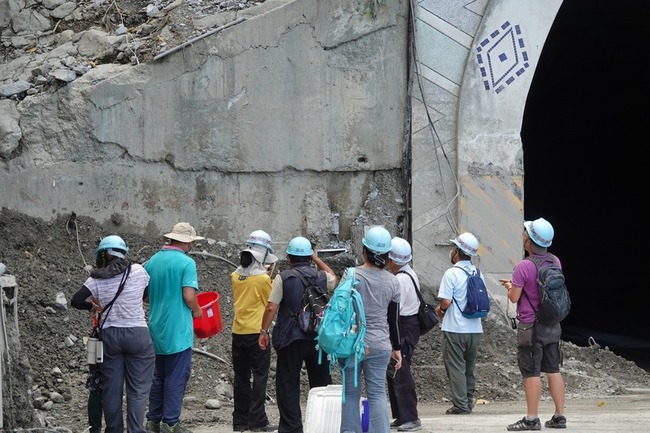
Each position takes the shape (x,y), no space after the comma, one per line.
(172,306)
(251,287)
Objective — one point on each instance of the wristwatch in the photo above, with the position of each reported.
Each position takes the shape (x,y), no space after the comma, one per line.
(264,331)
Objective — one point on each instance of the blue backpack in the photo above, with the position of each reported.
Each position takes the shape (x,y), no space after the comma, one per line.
(342,329)
(478,300)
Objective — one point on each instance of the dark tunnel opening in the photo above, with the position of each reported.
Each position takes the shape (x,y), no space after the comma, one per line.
(585,120)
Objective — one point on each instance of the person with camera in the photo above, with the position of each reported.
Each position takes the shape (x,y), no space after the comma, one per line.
(401,386)
(115,291)
(461,335)
(538,349)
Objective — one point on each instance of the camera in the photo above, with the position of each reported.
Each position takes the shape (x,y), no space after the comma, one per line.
(94,351)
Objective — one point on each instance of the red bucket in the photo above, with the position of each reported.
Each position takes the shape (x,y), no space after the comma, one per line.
(210,324)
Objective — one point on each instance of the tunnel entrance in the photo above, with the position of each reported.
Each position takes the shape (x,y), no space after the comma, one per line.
(584,126)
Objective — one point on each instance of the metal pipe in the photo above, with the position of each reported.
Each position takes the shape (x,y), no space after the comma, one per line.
(191,41)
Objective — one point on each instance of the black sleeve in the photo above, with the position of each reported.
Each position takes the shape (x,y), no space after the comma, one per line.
(80,299)
(393,325)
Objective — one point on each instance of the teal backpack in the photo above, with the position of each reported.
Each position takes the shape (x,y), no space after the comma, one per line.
(342,330)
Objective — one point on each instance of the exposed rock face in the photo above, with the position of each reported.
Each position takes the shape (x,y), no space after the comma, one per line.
(38,40)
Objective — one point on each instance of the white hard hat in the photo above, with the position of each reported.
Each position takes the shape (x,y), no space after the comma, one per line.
(467,243)
(540,231)
(400,251)
(261,238)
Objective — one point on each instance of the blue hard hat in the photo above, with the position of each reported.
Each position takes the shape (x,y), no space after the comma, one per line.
(300,246)
(112,242)
(377,239)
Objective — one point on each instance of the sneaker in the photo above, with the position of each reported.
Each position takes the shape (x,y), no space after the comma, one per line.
(267,427)
(395,423)
(557,421)
(414,425)
(152,426)
(524,424)
(457,411)
(176,428)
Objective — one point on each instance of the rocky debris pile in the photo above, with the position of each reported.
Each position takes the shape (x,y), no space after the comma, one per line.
(47,44)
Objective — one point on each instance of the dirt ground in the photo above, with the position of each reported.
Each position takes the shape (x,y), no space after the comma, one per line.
(45,365)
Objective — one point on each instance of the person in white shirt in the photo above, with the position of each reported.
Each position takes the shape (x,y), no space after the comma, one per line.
(461,336)
(401,387)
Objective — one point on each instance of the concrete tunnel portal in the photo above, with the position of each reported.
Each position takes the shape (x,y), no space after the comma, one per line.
(586,109)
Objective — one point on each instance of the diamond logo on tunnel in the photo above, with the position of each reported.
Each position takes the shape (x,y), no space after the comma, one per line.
(502,57)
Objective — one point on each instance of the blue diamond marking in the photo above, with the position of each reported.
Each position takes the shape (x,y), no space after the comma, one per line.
(502,57)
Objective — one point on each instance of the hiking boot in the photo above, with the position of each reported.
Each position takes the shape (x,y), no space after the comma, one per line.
(176,428)
(414,425)
(524,424)
(395,423)
(454,410)
(557,421)
(152,426)
(268,427)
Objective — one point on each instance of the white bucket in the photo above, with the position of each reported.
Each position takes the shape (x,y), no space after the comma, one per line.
(324,410)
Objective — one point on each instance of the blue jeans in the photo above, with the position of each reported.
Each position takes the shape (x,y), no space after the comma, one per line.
(373,368)
(168,388)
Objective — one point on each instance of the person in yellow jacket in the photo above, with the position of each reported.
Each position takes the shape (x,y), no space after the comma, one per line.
(251,287)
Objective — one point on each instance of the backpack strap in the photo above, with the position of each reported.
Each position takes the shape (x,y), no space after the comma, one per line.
(537,261)
(417,291)
(305,285)
(477,272)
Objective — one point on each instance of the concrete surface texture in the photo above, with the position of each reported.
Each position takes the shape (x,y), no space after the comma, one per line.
(303,99)
(622,413)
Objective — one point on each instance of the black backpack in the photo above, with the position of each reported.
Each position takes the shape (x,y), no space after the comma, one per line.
(478,300)
(554,299)
(314,300)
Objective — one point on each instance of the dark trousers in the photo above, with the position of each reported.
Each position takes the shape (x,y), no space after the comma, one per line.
(95,412)
(287,381)
(401,389)
(168,387)
(249,398)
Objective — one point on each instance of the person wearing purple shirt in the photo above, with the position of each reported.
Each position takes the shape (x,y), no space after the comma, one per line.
(538,344)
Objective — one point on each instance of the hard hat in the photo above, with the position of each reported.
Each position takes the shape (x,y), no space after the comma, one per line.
(112,242)
(299,246)
(261,238)
(467,243)
(377,239)
(540,231)
(400,251)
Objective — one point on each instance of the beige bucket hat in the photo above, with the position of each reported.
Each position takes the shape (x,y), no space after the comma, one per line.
(183,232)
(261,254)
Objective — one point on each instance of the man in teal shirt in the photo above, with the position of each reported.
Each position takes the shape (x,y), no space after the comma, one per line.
(172,306)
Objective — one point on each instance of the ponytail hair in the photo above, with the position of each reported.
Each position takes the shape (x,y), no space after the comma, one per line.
(377,259)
